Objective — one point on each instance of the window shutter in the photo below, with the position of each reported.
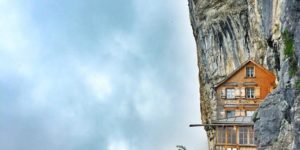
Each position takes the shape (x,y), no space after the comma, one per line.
(257,92)
(237,92)
(237,113)
(242,113)
(223,93)
(243,92)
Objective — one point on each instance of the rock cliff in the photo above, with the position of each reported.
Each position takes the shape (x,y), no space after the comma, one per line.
(229,32)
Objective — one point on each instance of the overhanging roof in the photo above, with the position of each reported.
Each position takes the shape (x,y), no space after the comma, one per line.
(241,66)
(235,120)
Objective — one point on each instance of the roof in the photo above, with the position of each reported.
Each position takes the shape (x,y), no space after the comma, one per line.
(240,67)
(235,120)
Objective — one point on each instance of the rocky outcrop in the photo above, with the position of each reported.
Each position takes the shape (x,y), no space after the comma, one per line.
(273,121)
(227,33)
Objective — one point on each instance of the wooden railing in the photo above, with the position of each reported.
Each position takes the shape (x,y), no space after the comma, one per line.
(241,102)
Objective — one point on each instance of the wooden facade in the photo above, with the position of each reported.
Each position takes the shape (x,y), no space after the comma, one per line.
(239,95)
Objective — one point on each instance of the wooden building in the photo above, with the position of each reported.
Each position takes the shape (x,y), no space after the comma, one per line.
(239,95)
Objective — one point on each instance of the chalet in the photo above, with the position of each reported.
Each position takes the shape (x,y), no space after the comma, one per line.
(238,96)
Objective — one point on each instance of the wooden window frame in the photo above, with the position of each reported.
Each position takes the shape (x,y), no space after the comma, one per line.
(223,136)
(243,135)
(250,139)
(247,136)
(253,93)
(253,72)
(253,111)
(232,131)
(230,111)
(232,93)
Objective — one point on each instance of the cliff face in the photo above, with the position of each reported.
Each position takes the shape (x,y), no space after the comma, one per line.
(227,33)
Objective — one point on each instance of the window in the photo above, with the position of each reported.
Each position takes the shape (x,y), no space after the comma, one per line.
(246,135)
(249,113)
(249,71)
(249,92)
(221,131)
(225,148)
(251,136)
(230,93)
(231,135)
(231,148)
(243,135)
(230,114)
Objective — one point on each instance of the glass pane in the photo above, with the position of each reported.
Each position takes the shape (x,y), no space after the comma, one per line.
(221,132)
(231,135)
(251,136)
(230,93)
(230,114)
(249,113)
(250,92)
(243,135)
(250,72)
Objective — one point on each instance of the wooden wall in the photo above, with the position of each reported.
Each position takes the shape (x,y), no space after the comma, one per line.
(265,83)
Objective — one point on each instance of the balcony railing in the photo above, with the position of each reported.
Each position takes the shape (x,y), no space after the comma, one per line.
(239,102)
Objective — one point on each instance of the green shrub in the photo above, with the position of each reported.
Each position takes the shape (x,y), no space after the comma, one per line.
(288,43)
(288,40)
(298,84)
(293,66)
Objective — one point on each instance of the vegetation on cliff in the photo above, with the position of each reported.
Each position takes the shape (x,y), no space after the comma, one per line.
(289,51)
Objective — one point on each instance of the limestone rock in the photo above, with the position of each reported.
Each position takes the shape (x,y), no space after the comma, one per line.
(227,33)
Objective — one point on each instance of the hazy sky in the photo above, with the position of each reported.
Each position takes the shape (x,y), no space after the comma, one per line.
(98,75)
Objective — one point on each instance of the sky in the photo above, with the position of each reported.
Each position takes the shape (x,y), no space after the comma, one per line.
(98,75)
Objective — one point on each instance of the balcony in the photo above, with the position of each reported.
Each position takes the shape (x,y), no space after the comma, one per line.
(240,102)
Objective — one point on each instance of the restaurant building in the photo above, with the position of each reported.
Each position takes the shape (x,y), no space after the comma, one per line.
(238,96)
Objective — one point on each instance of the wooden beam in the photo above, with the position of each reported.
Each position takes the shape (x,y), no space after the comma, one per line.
(228,124)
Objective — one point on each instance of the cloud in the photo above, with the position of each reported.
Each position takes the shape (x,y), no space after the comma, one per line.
(99,84)
(117,145)
(151,102)
(97,75)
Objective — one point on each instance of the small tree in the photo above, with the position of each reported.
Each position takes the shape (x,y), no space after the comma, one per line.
(180,147)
